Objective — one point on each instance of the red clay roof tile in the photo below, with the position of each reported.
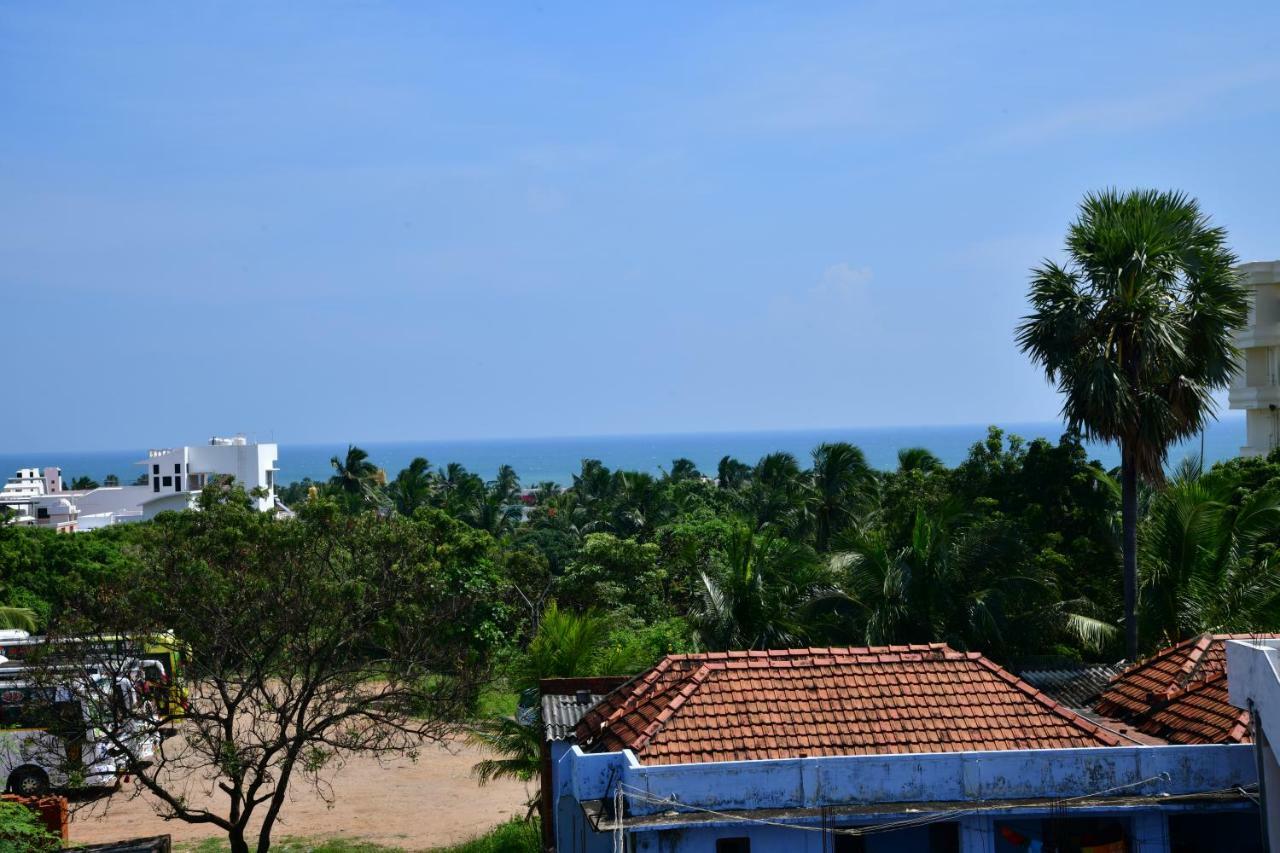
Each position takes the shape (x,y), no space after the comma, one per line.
(746,705)
(1180,693)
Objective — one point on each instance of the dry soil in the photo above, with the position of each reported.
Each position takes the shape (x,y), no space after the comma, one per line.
(434,801)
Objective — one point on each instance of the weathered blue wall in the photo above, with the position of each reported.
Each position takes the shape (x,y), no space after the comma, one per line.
(893,782)
(943,777)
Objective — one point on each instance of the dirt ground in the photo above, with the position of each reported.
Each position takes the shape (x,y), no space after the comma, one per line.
(419,805)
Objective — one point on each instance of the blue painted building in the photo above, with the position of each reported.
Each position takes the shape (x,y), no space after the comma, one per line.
(1146,798)
(914,748)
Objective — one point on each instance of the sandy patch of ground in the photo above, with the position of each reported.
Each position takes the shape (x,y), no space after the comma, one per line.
(432,802)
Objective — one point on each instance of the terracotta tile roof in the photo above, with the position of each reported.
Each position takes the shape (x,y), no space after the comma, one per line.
(1180,693)
(736,706)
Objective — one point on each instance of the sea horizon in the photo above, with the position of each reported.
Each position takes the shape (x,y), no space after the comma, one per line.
(558,458)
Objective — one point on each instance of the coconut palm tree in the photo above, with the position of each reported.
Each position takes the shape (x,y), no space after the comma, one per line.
(775,492)
(637,503)
(732,474)
(1135,332)
(355,477)
(772,593)
(566,645)
(19,618)
(546,490)
(683,469)
(905,593)
(917,459)
(460,490)
(495,507)
(1209,564)
(839,485)
(517,747)
(413,486)
(958,579)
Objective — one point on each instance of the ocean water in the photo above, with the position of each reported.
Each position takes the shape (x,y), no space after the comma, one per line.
(557,459)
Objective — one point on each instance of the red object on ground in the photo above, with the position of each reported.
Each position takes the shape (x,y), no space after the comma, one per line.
(52,811)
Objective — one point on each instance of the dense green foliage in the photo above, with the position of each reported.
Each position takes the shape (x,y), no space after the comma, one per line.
(1015,552)
(22,832)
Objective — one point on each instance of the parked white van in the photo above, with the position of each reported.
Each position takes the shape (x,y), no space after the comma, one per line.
(49,737)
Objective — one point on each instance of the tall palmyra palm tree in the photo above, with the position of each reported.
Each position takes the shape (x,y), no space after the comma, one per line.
(1135,332)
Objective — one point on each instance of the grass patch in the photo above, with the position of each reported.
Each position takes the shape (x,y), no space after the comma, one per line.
(292,845)
(497,700)
(512,837)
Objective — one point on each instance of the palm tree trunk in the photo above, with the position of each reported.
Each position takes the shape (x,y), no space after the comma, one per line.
(1129,545)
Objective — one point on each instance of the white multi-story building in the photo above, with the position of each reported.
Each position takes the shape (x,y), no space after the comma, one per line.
(1256,386)
(176,475)
(28,483)
(30,494)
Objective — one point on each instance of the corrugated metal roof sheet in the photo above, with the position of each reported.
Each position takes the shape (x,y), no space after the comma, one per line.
(561,713)
(1074,686)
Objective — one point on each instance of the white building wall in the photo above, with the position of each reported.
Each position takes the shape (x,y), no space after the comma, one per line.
(178,474)
(1256,386)
(1253,683)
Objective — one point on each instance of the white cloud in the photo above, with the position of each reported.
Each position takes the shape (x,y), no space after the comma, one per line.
(842,280)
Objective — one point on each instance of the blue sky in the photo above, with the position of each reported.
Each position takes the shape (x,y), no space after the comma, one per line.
(372,221)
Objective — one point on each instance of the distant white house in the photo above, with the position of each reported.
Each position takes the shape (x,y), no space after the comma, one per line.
(1256,386)
(31,493)
(175,476)
(27,483)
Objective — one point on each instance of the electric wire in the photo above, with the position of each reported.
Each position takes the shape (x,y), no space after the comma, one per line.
(906,823)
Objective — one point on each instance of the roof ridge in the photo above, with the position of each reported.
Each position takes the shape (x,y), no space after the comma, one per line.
(1151,660)
(644,684)
(690,687)
(1196,657)
(810,651)
(1167,650)
(1078,720)
(1178,691)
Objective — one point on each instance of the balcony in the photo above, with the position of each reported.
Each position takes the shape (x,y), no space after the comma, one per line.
(1258,335)
(1254,396)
